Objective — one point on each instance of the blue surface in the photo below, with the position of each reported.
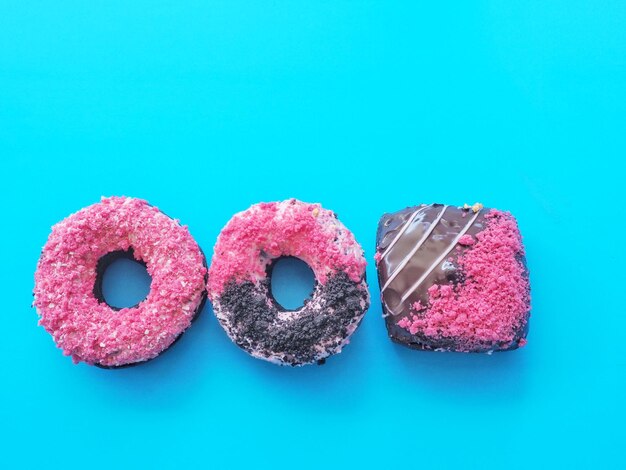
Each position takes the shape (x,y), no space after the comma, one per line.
(125,283)
(293,282)
(204,108)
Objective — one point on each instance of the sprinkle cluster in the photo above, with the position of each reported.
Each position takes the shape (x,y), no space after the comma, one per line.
(266,231)
(93,332)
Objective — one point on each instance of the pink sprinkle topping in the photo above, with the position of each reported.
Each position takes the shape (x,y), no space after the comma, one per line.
(266,231)
(466,240)
(417,306)
(377,257)
(91,331)
(433,290)
(491,306)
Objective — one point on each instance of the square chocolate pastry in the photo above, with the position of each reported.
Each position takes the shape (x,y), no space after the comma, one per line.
(453,278)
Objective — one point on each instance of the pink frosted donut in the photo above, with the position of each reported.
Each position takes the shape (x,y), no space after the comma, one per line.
(239,284)
(68,278)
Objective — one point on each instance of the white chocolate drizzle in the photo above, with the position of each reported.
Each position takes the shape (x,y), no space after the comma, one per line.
(417,246)
(440,259)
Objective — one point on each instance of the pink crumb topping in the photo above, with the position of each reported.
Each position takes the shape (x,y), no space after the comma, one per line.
(466,240)
(417,306)
(266,231)
(492,304)
(405,323)
(91,331)
(377,257)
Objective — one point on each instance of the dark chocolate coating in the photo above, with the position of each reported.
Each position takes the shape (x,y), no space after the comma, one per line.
(448,227)
(427,233)
(252,314)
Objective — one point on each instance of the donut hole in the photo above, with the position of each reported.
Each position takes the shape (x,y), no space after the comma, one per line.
(121,280)
(292,282)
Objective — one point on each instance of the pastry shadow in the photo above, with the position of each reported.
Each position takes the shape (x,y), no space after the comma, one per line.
(167,379)
(500,376)
(335,383)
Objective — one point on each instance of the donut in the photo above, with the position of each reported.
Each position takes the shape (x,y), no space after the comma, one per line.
(239,283)
(453,278)
(68,282)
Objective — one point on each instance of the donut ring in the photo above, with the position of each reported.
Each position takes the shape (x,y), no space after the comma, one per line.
(239,282)
(68,294)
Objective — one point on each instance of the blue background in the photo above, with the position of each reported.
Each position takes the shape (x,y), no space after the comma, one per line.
(204,108)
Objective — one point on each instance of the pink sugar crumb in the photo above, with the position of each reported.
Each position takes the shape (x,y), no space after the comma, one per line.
(490,308)
(266,231)
(523,342)
(446,291)
(404,323)
(417,306)
(466,240)
(377,257)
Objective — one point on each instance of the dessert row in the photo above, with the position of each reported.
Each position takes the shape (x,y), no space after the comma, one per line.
(451,279)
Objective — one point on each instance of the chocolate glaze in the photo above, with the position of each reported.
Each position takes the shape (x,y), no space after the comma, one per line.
(440,239)
(323,322)
(398,235)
